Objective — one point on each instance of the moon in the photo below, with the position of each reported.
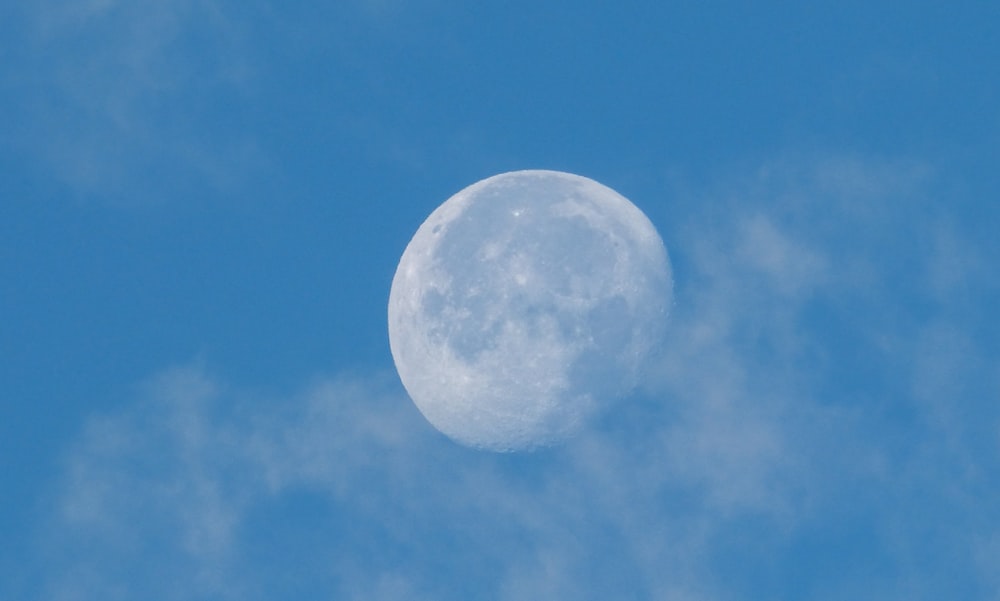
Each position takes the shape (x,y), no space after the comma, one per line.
(524,306)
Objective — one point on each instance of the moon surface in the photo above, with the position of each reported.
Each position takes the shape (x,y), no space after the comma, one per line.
(524,306)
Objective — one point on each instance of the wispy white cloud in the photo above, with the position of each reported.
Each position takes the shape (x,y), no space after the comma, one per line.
(788,411)
(115,96)
(149,498)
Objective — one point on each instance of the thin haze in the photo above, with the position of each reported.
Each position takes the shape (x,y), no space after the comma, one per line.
(202,204)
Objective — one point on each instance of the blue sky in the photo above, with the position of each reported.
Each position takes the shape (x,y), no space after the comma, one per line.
(202,204)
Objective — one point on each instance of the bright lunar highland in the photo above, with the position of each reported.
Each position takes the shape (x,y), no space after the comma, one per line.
(524,305)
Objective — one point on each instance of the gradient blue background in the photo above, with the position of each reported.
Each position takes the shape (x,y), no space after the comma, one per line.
(202,204)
